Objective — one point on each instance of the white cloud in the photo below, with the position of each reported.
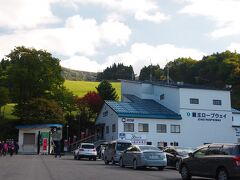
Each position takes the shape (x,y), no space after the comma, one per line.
(78,36)
(234,47)
(82,63)
(141,9)
(26,13)
(142,54)
(225,13)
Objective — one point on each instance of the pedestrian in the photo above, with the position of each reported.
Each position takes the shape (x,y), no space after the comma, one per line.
(11,148)
(58,149)
(5,148)
(16,147)
(1,148)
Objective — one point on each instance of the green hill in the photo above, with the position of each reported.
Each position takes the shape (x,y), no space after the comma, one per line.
(80,88)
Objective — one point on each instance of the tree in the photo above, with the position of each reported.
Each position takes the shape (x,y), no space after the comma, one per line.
(106,91)
(40,111)
(4,99)
(151,72)
(32,74)
(94,101)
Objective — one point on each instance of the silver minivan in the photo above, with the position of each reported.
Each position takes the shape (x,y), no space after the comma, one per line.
(114,150)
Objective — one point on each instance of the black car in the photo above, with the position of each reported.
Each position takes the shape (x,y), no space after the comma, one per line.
(220,161)
(175,154)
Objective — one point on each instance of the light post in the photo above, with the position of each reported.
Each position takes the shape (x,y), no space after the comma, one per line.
(67,137)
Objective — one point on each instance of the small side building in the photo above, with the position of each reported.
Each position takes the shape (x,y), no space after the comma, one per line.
(38,138)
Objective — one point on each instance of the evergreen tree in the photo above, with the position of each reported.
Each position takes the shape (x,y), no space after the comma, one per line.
(106,91)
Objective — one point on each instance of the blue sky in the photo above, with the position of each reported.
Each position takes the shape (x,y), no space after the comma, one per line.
(90,35)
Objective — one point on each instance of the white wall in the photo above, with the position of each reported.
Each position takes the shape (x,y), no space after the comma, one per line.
(205,99)
(109,117)
(171,97)
(236,119)
(152,135)
(131,88)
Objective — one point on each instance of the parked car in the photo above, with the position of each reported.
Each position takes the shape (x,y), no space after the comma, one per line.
(175,154)
(86,150)
(220,161)
(138,156)
(114,149)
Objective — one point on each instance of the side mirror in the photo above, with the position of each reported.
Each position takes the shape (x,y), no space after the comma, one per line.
(190,154)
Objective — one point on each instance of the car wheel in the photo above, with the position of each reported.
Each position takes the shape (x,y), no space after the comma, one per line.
(121,163)
(75,157)
(78,157)
(135,164)
(106,161)
(185,173)
(161,168)
(177,165)
(222,174)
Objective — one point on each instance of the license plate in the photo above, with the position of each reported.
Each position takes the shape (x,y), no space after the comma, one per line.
(154,157)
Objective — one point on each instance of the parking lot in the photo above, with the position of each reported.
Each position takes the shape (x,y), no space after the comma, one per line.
(33,167)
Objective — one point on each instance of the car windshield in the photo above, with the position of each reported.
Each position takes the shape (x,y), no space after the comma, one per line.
(184,151)
(87,146)
(123,146)
(146,148)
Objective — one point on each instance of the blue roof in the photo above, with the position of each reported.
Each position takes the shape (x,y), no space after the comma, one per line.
(38,126)
(235,111)
(142,108)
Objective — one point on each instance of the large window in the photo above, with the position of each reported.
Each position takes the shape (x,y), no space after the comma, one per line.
(142,127)
(161,128)
(128,127)
(175,128)
(217,102)
(113,128)
(194,101)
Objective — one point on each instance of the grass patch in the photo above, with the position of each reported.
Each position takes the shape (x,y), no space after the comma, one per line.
(80,88)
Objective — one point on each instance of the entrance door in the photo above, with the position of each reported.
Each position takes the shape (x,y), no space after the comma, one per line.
(29,143)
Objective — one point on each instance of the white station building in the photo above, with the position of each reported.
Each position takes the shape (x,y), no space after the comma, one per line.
(170,114)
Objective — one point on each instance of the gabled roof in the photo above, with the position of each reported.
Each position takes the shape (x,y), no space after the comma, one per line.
(142,108)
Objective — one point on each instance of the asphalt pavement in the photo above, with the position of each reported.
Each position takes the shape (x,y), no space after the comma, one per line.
(43,167)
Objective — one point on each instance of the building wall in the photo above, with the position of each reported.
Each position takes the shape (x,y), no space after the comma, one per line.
(130,87)
(151,135)
(108,117)
(171,97)
(29,149)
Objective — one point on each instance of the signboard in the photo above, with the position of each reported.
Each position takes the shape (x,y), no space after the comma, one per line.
(137,138)
(45,144)
(127,120)
(207,116)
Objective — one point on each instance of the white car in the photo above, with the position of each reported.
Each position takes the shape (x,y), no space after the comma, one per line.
(86,150)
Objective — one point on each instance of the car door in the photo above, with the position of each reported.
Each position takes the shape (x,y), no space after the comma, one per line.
(196,162)
(171,156)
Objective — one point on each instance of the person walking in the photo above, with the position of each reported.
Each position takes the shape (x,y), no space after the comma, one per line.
(5,148)
(11,148)
(1,148)
(16,147)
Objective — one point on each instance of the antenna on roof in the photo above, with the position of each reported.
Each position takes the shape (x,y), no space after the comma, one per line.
(167,72)
(150,78)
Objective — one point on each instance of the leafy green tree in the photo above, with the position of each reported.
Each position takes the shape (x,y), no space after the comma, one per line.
(151,72)
(40,111)
(32,73)
(182,69)
(106,91)
(4,99)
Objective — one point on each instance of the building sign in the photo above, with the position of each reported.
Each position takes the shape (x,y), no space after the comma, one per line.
(122,136)
(44,146)
(203,116)
(136,138)
(127,120)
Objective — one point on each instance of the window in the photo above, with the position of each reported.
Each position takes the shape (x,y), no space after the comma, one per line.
(200,152)
(217,102)
(142,127)
(128,127)
(113,128)
(161,128)
(161,96)
(194,101)
(175,128)
(107,129)
(29,138)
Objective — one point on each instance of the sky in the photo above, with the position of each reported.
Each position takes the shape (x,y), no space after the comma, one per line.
(90,35)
